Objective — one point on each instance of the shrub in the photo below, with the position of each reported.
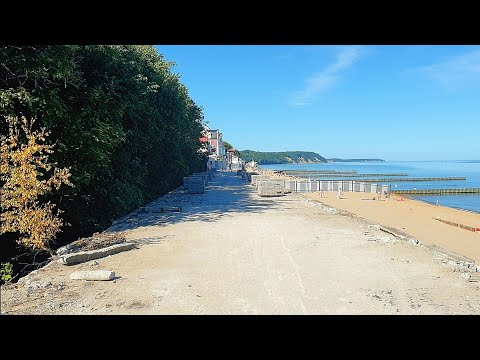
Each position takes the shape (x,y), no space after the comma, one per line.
(27,174)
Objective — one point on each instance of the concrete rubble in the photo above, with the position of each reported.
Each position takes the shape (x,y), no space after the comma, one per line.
(83,256)
(95,275)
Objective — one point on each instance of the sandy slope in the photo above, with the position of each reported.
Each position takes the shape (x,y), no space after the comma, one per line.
(232,252)
(415,218)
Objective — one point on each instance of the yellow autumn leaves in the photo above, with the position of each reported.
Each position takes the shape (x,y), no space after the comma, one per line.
(25,174)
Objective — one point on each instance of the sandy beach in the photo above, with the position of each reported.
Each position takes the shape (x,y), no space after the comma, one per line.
(413,217)
(230,251)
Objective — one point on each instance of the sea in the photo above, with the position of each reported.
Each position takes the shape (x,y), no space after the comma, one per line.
(433,169)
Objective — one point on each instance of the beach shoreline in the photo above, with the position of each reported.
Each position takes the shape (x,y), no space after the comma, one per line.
(414,217)
(411,169)
(406,214)
(451,207)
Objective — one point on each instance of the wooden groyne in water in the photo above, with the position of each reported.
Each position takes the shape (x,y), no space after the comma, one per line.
(316,172)
(437,191)
(318,175)
(411,179)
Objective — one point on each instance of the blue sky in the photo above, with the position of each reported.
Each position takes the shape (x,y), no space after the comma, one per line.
(393,102)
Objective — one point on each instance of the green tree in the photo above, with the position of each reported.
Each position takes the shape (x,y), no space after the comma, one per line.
(120,119)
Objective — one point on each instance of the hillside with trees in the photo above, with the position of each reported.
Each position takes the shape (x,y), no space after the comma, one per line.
(228,146)
(121,124)
(284,157)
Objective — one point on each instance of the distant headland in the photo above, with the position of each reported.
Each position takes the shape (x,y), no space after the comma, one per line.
(292,157)
(284,157)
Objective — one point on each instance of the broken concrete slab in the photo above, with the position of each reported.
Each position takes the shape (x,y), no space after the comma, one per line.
(96,275)
(451,255)
(395,232)
(83,256)
(474,277)
(171,209)
(465,275)
(414,241)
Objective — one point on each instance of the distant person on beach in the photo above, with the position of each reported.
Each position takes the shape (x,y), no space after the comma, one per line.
(339,194)
(437,203)
(321,193)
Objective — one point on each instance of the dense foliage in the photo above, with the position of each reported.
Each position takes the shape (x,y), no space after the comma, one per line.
(119,118)
(228,146)
(281,157)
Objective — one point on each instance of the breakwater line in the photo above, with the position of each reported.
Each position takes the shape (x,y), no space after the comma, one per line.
(437,191)
(386,180)
(346,175)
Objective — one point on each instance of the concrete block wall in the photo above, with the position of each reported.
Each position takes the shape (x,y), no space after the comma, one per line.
(256,178)
(195,183)
(249,176)
(271,187)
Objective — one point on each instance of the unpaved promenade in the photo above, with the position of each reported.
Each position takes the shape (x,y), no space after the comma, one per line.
(232,252)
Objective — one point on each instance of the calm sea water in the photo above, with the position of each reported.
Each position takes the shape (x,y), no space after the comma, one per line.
(467,168)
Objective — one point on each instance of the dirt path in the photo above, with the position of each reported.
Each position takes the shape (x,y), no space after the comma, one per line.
(232,252)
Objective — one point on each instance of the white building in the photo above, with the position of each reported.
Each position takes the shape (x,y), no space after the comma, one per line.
(215,143)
